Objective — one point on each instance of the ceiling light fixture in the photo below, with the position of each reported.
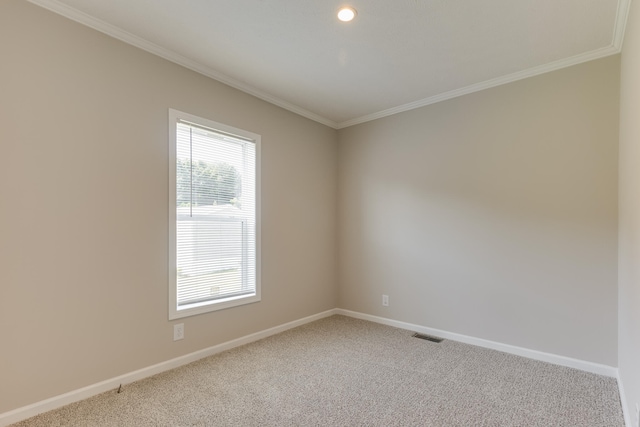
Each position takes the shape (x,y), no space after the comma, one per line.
(346,14)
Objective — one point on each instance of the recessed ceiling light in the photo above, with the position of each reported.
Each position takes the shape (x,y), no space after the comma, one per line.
(346,14)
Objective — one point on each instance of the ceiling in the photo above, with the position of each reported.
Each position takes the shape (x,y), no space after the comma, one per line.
(396,55)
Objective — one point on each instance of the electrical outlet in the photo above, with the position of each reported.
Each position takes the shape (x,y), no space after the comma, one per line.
(385,300)
(178,331)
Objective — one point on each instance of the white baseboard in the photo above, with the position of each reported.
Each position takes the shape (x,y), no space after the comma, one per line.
(28,411)
(623,399)
(55,402)
(595,368)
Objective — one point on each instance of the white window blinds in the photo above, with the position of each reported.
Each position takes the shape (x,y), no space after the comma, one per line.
(215,216)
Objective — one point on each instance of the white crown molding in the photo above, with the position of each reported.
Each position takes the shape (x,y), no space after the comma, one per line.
(622,14)
(477,87)
(117,33)
(621,23)
(555,359)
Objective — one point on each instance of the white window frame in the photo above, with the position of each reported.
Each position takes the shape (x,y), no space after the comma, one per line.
(219,304)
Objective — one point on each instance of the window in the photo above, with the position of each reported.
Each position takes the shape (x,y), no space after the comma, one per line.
(214,235)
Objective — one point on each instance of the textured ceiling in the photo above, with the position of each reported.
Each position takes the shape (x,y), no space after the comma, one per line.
(396,55)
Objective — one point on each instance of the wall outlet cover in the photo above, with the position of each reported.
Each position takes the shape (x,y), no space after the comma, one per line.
(178,331)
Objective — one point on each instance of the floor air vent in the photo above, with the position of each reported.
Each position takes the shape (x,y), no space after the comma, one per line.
(427,337)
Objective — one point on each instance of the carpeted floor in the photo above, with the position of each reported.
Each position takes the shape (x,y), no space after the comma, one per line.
(341,371)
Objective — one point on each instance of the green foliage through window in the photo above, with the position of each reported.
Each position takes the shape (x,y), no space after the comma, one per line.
(202,183)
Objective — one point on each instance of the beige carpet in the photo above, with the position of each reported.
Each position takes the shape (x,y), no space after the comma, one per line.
(341,371)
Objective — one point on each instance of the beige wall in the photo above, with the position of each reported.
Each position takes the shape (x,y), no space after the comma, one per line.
(83,217)
(629,235)
(493,215)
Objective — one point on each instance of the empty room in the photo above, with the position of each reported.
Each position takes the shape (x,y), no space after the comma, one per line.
(305,212)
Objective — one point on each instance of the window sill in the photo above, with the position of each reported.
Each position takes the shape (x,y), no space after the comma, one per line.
(209,306)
